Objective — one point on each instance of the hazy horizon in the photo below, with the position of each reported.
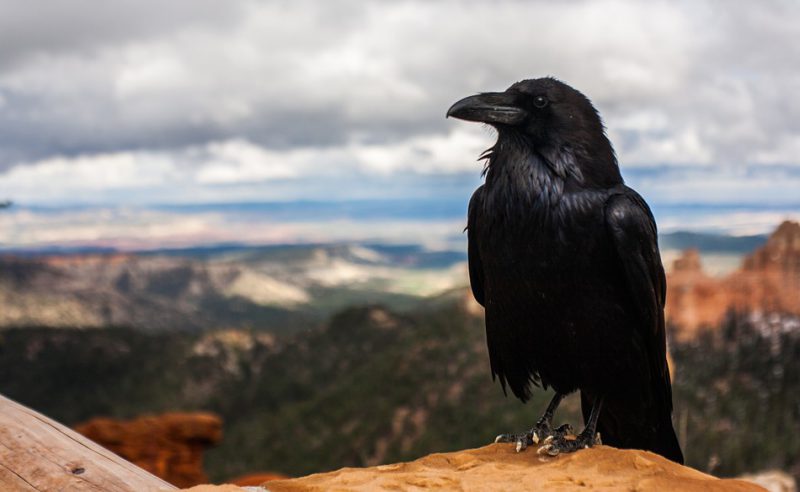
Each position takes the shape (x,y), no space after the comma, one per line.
(433,224)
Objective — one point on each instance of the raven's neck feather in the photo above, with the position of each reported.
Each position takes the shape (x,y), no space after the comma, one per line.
(519,181)
(550,169)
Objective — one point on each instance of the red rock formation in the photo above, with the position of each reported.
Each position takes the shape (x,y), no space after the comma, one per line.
(170,445)
(781,253)
(768,281)
(693,298)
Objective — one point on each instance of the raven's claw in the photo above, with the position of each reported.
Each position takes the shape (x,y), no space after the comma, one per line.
(560,445)
(542,432)
(522,441)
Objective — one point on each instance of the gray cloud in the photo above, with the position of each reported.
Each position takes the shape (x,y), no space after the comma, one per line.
(40,29)
(709,83)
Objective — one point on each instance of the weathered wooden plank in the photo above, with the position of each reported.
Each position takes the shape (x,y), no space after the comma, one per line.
(9,479)
(39,454)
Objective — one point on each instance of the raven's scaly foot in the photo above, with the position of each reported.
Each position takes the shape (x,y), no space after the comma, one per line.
(541,432)
(557,445)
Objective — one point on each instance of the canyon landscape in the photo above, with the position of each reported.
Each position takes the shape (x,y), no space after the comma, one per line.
(291,393)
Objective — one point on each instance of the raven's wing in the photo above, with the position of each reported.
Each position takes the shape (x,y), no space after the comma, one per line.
(633,231)
(473,229)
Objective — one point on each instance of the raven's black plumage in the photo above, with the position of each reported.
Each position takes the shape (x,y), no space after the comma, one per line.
(564,258)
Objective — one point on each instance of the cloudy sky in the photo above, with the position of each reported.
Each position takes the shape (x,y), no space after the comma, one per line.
(143,103)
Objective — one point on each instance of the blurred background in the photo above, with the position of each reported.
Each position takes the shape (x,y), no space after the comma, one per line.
(251,212)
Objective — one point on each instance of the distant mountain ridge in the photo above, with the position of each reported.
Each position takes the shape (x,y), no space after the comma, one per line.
(711,243)
(705,242)
(127,290)
(277,287)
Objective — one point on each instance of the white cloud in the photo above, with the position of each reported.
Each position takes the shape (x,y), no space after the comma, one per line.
(258,92)
(87,173)
(150,72)
(683,146)
(755,185)
(786,150)
(236,161)
(176,175)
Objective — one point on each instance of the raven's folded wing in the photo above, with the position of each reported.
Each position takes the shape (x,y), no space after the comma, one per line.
(475,266)
(633,230)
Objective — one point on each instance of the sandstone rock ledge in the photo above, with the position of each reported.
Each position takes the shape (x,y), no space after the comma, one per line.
(498,468)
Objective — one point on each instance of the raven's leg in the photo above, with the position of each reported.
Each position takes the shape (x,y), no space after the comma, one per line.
(542,430)
(586,439)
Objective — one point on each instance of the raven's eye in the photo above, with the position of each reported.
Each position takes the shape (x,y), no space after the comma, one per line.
(540,101)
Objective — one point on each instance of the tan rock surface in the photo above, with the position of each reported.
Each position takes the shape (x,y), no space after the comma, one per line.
(215,488)
(498,468)
(257,478)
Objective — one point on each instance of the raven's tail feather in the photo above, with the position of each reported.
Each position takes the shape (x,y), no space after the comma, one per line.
(635,426)
(667,442)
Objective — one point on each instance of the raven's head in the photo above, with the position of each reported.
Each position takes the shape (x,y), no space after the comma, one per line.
(550,118)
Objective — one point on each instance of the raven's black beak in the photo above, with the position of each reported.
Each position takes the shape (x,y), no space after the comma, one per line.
(489,107)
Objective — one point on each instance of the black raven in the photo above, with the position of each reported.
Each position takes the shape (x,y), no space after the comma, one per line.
(564,258)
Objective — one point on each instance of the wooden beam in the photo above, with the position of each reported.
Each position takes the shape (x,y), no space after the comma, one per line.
(39,454)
